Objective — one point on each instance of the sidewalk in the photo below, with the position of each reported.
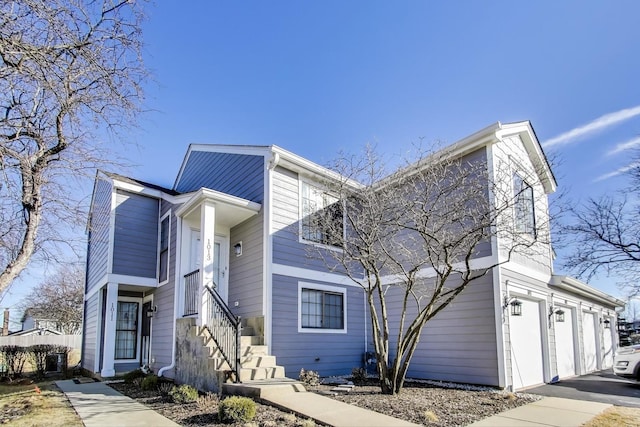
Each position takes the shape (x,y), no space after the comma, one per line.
(550,411)
(99,405)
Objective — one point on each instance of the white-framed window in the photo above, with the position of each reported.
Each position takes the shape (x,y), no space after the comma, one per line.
(524,207)
(164,241)
(322,216)
(127,320)
(322,308)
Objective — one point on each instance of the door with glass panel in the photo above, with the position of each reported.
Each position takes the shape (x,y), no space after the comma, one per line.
(127,330)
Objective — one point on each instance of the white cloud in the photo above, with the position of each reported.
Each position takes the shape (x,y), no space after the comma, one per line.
(617,172)
(623,146)
(600,123)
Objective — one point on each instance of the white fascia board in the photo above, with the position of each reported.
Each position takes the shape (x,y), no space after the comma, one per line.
(138,189)
(307,167)
(217,197)
(577,287)
(487,262)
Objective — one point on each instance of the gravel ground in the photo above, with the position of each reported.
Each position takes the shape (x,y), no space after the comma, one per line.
(424,403)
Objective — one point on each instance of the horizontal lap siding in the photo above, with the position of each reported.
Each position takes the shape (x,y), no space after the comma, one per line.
(98,245)
(162,326)
(246,271)
(459,344)
(240,175)
(89,344)
(136,235)
(338,353)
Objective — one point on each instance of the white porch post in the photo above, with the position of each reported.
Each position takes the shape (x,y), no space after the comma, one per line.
(207,237)
(109,336)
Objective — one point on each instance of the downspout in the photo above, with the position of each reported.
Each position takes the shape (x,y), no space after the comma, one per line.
(176,286)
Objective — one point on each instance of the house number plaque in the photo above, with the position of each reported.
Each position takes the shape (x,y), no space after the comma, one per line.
(208,249)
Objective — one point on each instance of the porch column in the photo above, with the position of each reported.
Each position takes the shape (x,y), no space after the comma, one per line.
(109,335)
(207,235)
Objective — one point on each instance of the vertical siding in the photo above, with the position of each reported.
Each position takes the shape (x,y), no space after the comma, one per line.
(162,327)
(337,353)
(246,272)
(136,235)
(459,344)
(90,333)
(98,240)
(238,174)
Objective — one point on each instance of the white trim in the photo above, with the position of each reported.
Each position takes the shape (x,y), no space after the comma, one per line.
(327,288)
(122,279)
(212,196)
(112,230)
(267,249)
(308,274)
(527,271)
(162,218)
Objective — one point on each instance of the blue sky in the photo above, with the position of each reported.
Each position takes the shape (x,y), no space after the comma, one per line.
(319,77)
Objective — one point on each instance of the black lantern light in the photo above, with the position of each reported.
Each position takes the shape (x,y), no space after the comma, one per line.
(559,315)
(516,307)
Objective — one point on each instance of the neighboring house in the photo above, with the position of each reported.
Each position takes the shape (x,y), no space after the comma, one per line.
(37,325)
(235,218)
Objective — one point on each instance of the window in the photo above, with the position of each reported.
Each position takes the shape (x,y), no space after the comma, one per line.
(525,218)
(321,309)
(163,267)
(322,217)
(126,330)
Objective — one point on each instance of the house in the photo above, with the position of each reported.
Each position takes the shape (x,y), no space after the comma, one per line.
(37,325)
(209,280)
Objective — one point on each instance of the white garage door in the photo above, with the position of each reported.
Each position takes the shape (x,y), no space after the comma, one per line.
(565,349)
(589,341)
(526,346)
(607,355)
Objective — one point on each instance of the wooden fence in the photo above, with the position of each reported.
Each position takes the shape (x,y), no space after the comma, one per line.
(72,341)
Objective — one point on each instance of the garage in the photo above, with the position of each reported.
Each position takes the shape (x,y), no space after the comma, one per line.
(526,346)
(589,341)
(565,346)
(607,344)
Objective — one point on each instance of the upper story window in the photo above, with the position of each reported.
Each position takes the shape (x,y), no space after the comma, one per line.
(322,216)
(163,264)
(524,210)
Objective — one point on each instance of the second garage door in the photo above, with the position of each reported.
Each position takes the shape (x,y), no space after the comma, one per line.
(565,349)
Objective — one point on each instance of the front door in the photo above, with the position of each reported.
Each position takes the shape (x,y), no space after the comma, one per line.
(220,261)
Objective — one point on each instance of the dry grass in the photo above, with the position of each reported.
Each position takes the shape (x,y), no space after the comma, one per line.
(616,416)
(35,404)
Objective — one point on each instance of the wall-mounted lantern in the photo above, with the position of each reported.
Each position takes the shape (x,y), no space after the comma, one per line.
(515,304)
(607,323)
(151,310)
(237,248)
(559,315)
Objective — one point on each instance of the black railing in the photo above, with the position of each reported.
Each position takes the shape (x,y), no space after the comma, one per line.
(191,285)
(225,330)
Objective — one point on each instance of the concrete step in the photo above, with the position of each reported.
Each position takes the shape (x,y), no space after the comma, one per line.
(254,350)
(247,331)
(252,374)
(257,361)
(247,340)
(258,389)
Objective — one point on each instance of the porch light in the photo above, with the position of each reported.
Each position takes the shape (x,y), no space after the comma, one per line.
(516,307)
(559,315)
(607,324)
(237,248)
(151,310)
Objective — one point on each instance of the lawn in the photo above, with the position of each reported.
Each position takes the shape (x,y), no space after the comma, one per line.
(27,403)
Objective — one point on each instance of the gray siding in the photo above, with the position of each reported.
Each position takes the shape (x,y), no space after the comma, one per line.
(162,326)
(136,235)
(238,174)
(459,344)
(90,332)
(337,353)
(246,271)
(98,240)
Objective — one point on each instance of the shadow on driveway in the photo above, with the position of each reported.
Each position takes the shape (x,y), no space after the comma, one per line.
(600,386)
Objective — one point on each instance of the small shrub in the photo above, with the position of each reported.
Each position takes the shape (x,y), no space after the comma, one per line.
(207,401)
(14,357)
(430,417)
(138,382)
(306,423)
(38,357)
(309,377)
(359,376)
(129,377)
(149,382)
(510,396)
(184,394)
(165,388)
(236,409)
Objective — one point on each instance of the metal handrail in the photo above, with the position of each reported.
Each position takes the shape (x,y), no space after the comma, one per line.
(191,284)
(225,329)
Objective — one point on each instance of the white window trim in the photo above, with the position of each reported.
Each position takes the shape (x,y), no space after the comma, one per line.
(162,218)
(327,288)
(534,234)
(138,332)
(301,238)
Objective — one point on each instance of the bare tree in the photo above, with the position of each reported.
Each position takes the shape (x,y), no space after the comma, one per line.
(409,239)
(603,235)
(69,71)
(59,300)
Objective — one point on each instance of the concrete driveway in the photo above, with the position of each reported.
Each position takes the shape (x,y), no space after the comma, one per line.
(600,386)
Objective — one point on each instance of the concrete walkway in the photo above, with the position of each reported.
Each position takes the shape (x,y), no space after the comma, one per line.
(550,411)
(99,405)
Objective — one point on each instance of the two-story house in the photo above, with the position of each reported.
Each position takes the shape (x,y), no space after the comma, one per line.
(170,270)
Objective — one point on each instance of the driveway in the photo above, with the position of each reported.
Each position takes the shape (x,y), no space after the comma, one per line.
(600,386)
